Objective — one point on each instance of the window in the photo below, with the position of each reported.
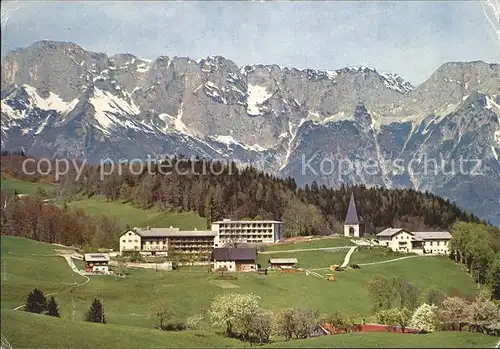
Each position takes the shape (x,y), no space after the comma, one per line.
(130,241)
(135,240)
(124,241)
(129,234)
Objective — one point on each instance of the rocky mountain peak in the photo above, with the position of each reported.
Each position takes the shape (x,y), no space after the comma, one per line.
(61,100)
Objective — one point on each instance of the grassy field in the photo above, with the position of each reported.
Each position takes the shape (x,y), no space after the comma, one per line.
(394,340)
(128,302)
(24,187)
(364,255)
(307,259)
(127,214)
(54,333)
(27,264)
(316,243)
(24,330)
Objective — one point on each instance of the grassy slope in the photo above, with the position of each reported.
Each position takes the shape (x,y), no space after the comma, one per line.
(128,300)
(24,187)
(307,259)
(72,334)
(24,330)
(186,292)
(316,243)
(27,264)
(125,214)
(394,340)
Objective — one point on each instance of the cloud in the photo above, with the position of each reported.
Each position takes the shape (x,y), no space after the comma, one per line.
(408,38)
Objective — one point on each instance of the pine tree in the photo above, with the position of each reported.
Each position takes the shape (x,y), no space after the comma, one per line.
(36,302)
(53,309)
(96,312)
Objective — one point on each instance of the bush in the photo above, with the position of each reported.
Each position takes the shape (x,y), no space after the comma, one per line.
(175,326)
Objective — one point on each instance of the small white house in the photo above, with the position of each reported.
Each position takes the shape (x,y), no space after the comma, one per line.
(402,240)
(96,262)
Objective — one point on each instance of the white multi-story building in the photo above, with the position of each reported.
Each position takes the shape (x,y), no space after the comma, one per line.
(401,240)
(161,241)
(230,232)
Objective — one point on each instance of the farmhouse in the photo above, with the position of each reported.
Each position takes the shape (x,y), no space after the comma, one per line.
(228,232)
(235,259)
(401,240)
(96,262)
(353,225)
(283,263)
(161,241)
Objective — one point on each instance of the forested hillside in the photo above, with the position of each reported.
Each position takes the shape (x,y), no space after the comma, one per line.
(215,191)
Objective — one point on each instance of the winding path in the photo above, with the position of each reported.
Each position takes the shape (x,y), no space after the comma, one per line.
(73,267)
(398,259)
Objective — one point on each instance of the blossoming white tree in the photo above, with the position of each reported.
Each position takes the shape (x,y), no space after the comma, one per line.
(425,318)
(231,309)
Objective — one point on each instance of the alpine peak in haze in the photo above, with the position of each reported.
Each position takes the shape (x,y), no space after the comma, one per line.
(59,100)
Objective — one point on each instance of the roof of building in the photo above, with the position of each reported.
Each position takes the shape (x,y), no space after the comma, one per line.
(244,222)
(166,232)
(417,235)
(234,254)
(283,261)
(433,235)
(96,257)
(391,232)
(352,216)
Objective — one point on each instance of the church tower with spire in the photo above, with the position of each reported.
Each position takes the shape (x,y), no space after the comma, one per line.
(353,225)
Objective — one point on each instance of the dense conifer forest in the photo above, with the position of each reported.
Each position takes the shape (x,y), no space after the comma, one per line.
(215,190)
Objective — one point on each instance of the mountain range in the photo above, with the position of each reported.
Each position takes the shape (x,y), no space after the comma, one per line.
(353,125)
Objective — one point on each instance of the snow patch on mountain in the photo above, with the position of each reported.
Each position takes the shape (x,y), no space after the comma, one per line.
(142,67)
(396,83)
(292,131)
(53,102)
(11,112)
(213,91)
(229,140)
(256,96)
(107,105)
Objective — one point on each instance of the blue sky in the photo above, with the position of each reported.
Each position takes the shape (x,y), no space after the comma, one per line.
(411,39)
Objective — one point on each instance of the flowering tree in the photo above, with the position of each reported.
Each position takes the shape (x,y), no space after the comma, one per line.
(453,312)
(231,310)
(482,315)
(425,318)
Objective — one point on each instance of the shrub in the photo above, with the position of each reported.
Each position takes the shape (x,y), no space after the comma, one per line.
(175,326)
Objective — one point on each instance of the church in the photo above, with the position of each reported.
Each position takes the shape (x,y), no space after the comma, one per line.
(353,225)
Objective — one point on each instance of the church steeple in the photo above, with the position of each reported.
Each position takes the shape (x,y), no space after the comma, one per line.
(352,213)
(353,225)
